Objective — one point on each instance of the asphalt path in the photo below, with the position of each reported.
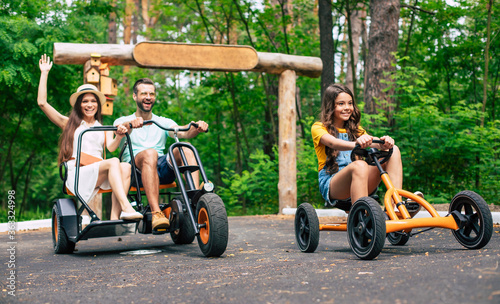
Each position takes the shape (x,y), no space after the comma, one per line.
(262,264)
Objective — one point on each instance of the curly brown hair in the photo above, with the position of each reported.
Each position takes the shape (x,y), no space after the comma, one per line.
(327,116)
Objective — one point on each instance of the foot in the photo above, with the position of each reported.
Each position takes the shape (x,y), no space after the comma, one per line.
(160,221)
(130,216)
(412,206)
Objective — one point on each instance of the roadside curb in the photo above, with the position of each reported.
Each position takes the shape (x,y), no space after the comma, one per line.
(34,225)
(340,213)
(38,224)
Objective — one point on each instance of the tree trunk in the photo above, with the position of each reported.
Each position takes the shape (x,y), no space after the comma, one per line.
(326,43)
(486,61)
(383,40)
(407,47)
(135,22)
(355,28)
(112,38)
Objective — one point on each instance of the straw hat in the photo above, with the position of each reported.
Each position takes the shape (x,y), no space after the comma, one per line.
(84,89)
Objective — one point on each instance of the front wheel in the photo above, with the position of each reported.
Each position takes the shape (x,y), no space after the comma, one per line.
(306,228)
(59,238)
(214,230)
(366,228)
(478,228)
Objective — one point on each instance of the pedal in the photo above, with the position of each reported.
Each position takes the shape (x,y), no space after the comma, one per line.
(160,231)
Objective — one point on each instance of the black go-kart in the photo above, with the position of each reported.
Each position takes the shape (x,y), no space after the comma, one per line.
(192,212)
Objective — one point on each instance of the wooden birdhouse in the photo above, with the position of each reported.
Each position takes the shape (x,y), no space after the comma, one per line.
(109,86)
(104,69)
(92,76)
(107,108)
(95,60)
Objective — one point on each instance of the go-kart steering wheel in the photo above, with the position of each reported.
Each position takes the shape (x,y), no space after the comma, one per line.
(371,153)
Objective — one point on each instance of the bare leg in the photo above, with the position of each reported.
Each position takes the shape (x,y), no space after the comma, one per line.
(110,169)
(115,205)
(147,161)
(359,179)
(191,161)
(394,168)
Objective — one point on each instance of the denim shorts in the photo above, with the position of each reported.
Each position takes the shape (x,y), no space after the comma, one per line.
(324,183)
(165,171)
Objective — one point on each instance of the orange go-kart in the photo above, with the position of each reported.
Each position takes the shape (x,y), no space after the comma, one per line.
(367,225)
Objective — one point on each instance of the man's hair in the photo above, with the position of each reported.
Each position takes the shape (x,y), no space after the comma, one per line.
(142,81)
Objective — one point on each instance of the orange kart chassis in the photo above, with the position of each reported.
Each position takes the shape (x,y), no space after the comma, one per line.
(401,220)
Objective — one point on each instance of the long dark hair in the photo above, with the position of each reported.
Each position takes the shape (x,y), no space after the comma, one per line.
(74,120)
(327,116)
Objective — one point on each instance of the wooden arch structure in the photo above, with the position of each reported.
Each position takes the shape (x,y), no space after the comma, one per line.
(228,58)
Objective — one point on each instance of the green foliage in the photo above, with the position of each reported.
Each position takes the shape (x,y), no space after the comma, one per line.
(434,117)
(254,191)
(443,153)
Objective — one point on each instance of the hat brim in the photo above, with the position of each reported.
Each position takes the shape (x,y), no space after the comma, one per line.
(100,95)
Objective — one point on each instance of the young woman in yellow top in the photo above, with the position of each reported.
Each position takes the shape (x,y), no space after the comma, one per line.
(335,135)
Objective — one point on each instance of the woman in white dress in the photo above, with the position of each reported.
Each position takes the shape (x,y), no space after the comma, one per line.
(105,174)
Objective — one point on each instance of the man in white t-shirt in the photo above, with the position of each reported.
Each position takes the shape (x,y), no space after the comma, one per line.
(148,143)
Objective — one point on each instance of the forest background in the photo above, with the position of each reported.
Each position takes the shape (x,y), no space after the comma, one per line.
(427,73)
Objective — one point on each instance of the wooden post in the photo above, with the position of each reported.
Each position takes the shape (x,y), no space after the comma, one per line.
(287,185)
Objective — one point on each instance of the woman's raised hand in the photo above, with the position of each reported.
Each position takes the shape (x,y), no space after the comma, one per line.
(45,63)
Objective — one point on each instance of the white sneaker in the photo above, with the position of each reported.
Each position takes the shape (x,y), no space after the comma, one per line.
(130,216)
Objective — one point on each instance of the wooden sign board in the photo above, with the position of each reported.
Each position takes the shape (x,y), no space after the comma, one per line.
(195,56)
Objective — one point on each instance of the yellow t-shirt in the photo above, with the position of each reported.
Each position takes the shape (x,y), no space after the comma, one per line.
(317,131)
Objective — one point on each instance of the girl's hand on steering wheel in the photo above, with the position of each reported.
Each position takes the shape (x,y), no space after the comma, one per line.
(364,141)
(389,142)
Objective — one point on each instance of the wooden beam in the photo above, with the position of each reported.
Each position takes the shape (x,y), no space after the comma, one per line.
(119,54)
(276,63)
(213,57)
(287,185)
(79,53)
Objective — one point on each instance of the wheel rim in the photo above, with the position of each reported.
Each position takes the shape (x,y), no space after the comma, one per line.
(303,229)
(204,231)
(472,230)
(55,228)
(363,230)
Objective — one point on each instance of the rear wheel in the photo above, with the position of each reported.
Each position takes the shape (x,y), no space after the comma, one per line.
(184,234)
(214,230)
(59,238)
(306,228)
(478,228)
(398,238)
(366,228)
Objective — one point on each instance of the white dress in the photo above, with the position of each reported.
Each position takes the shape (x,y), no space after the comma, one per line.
(93,144)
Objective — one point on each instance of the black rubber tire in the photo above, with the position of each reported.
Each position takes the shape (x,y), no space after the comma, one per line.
(185,234)
(59,238)
(213,238)
(366,228)
(398,238)
(477,232)
(306,228)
